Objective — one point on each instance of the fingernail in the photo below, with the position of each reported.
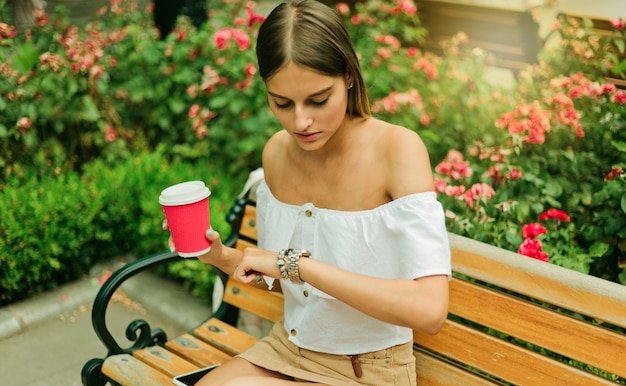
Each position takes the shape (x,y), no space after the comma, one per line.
(209,233)
(172,249)
(258,278)
(163,225)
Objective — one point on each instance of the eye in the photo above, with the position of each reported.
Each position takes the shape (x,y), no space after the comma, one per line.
(319,103)
(282,105)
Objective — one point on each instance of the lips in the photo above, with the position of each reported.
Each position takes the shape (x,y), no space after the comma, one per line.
(307,137)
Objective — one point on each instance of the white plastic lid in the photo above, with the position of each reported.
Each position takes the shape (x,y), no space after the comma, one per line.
(184,193)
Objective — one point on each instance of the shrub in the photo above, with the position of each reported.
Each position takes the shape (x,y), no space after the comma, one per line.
(53,228)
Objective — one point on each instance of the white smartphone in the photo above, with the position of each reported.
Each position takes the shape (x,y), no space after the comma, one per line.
(190,379)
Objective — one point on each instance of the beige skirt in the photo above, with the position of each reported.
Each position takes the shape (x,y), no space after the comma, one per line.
(391,366)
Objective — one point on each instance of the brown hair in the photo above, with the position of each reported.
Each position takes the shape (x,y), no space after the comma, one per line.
(312,35)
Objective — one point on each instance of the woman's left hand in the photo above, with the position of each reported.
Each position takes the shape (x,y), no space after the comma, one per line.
(255,264)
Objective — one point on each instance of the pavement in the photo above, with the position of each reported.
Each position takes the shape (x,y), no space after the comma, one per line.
(47,339)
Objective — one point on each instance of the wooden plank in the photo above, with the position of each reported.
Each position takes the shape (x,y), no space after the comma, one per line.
(243,244)
(502,359)
(224,337)
(196,351)
(129,371)
(248,227)
(434,371)
(267,304)
(565,335)
(166,362)
(569,289)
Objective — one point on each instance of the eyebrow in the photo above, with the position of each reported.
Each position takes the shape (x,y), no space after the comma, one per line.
(318,93)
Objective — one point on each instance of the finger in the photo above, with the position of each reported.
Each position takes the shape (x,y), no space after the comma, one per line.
(212,235)
(165,225)
(170,243)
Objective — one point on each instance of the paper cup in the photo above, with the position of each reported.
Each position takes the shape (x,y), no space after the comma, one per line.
(186,207)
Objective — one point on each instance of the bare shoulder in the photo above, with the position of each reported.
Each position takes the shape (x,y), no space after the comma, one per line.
(407,161)
(274,155)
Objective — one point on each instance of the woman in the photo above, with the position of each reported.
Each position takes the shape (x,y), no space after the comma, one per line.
(347,219)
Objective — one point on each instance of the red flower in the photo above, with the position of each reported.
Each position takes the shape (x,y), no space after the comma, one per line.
(618,23)
(554,214)
(615,173)
(531,231)
(532,248)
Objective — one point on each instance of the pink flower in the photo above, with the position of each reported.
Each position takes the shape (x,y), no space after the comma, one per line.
(384,53)
(253,17)
(531,231)
(454,190)
(440,185)
(532,248)
(24,124)
(242,39)
(478,192)
(221,38)
(356,19)
(110,134)
(514,174)
(193,111)
(454,166)
(343,8)
(554,214)
(619,97)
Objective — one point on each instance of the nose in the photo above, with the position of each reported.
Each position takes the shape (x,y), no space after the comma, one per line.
(303,119)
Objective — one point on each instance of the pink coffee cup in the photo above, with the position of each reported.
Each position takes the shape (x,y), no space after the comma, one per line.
(186,207)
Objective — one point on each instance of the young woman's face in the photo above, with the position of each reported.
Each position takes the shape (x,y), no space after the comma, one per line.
(310,106)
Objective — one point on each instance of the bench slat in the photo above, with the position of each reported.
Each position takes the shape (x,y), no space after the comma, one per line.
(571,290)
(225,337)
(243,244)
(129,371)
(196,351)
(495,356)
(535,324)
(167,362)
(248,223)
(433,371)
(268,305)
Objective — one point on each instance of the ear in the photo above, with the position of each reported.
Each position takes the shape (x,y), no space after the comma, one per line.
(349,78)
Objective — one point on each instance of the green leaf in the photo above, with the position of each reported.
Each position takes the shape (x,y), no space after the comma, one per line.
(4,132)
(26,58)
(91,112)
(620,45)
(620,145)
(176,105)
(622,203)
(598,249)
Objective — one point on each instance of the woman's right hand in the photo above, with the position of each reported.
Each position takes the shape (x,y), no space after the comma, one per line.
(215,255)
(170,240)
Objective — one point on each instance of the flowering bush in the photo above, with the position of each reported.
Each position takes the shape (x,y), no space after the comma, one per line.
(511,163)
(111,87)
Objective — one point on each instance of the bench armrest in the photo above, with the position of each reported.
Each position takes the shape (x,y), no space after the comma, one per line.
(146,336)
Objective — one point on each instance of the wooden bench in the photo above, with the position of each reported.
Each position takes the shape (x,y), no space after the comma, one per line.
(510,36)
(510,317)
(603,28)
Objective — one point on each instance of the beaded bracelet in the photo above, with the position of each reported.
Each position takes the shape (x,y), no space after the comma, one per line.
(288,264)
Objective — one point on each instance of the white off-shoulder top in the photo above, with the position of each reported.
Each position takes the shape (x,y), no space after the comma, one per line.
(405,238)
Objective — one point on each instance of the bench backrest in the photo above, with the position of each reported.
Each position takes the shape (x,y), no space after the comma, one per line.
(510,316)
(511,36)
